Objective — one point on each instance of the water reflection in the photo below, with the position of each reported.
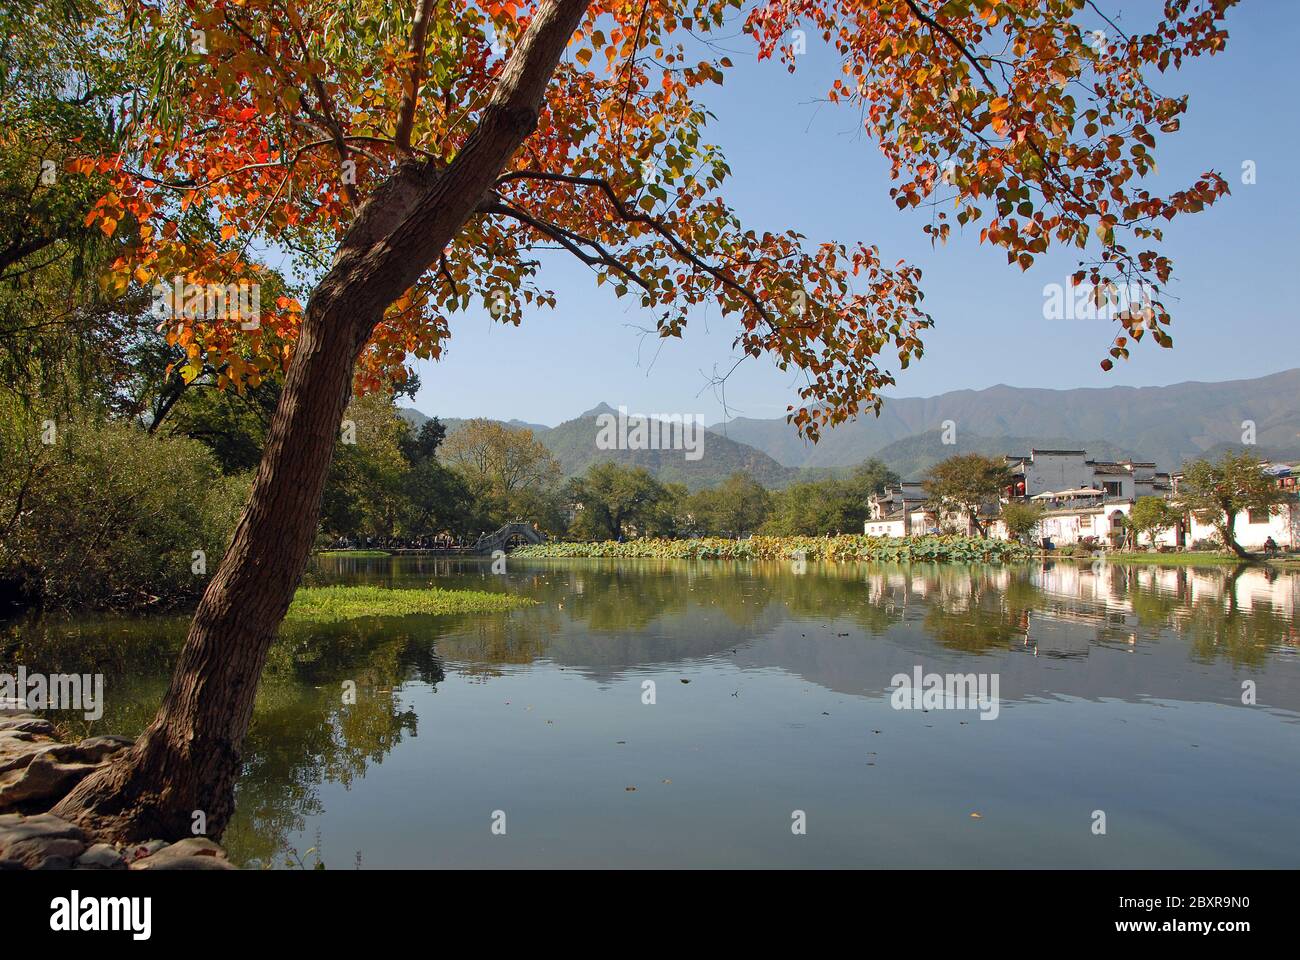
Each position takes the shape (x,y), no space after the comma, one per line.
(1055,633)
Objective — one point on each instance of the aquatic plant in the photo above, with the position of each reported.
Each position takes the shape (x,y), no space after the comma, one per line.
(842,549)
(318,604)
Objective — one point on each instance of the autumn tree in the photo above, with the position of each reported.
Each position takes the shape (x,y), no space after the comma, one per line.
(970,484)
(1216,493)
(412,156)
(507,467)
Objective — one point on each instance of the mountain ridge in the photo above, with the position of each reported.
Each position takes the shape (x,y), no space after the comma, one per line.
(1166,424)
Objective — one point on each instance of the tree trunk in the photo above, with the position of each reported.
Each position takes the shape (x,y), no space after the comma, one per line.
(188,760)
(1230,534)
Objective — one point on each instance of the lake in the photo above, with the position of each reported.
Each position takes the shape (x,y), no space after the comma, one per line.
(678,714)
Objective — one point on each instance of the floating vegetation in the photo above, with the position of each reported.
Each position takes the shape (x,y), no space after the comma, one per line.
(842,549)
(322,604)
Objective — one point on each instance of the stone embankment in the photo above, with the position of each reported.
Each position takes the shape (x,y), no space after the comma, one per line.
(36,772)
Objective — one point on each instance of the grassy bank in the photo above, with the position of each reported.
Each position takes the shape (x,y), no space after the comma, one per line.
(327,604)
(843,549)
(1160,559)
(355,554)
(1178,559)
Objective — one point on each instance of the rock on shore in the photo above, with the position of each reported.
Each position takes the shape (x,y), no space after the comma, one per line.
(36,772)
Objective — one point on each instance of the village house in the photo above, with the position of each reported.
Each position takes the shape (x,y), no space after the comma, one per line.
(1254,528)
(1085,500)
(898,512)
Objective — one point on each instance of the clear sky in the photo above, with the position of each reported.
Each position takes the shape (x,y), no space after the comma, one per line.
(798,165)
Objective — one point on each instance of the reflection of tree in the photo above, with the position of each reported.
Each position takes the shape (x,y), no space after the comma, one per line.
(605,618)
(624,599)
(484,644)
(304,733)
(1154,608)
(1221,628)
(973,615)
(127,652)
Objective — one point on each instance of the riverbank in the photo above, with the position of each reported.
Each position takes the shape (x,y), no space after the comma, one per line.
(1191,559)
(841,549)
(36,772)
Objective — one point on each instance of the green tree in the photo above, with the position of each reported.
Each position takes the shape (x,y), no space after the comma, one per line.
(611,501)
(815,508)
(871,477)
(96,513)
(1217,492)
(1151,516)
(506,468)
(1021,519)
(737,506)
(967,483)
(421,443)
(364,490)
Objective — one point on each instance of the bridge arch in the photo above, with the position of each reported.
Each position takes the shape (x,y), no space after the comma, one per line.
(511,535)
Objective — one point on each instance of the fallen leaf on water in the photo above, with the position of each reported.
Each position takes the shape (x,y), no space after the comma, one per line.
(977,816)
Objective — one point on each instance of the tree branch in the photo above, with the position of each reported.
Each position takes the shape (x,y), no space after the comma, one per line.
(571,241)
(414,215)
(627,214)
(411,94)
(957,44)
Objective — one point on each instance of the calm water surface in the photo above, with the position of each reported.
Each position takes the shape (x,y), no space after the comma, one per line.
(1120,688)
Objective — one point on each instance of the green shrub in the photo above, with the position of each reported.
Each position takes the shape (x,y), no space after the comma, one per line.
(105,515)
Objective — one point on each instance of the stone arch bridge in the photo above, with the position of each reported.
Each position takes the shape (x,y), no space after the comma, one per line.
(512,535)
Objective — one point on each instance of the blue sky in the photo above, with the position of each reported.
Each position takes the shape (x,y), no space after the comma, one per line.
(799,166)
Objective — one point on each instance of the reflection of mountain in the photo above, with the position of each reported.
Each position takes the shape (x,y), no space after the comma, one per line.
(1051,631)
(1061,630)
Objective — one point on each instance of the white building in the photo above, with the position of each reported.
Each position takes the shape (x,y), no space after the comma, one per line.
(1088,501)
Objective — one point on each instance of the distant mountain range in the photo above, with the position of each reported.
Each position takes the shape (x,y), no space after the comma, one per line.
(1167,425)
(574,445)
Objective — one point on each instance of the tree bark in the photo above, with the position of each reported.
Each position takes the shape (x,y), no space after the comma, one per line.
(1230,533)
(188,759)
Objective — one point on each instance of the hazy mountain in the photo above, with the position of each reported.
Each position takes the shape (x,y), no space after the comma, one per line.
(911,457)
(1164,424)
(574,445)
(415,418)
